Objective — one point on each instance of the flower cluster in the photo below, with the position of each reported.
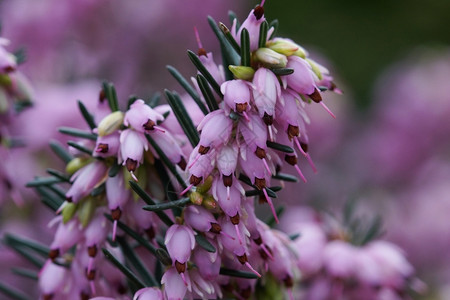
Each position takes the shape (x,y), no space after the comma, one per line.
(200,165)
(15,94)
(336,264)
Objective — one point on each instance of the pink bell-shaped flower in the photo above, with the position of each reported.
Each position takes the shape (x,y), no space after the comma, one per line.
(236,94)
(86,179)
(142,117)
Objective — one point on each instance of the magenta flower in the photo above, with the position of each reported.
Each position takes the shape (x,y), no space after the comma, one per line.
(252,24)
(107,146)
(302,80)
(132,147)
(216,130)
(148,294)
(85,179)
(236,95)
(266,92)
(142,117)
(175,287)
(180,241)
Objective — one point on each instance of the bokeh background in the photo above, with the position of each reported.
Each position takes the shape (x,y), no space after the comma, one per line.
(390,144)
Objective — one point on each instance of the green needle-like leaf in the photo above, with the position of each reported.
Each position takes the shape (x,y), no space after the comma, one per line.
(232,16)
(142,241)
(154,100)
(132,257)
(147,199)
(21,55)
(167,205)
(229,56)
(230,38)
(283,71)
(39,181)
(279,147)
(273,24)
(49,198)
(79,147)
(207,93)
(188,88)
(111,96)
(39,248)
(245,48)
(163,257)
(204,243)
(27,273)
(183,117)
(114,169)
(58,174)
(78,133)
(60,151)
(264,27)
(86,115)
(202,69)
(12,293)
(236,273)
(285,177)
(125,270)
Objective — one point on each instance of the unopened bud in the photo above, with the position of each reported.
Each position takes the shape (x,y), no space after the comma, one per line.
(206,186)
(196,198)
(76,164)
(5,80)
(209,203)
(270,58)
(284,46)
(86,211)
(242,72)
(110,123)
(68,211)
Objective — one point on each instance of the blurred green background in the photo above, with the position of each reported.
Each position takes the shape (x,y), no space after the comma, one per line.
(361,38)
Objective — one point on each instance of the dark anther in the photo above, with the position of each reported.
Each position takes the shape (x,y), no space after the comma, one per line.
(258,12)
(92,251)
(235,220)
(215,228)
(102,96)
(180,267)
(150,232)
(203,150)
(260,152)
(288,281)
(116,213)
(201,52)
(268,120)
(243,258)
(69,199)
(131,164)
(260,183)
(182,163)
(293,131)
(227,180)
(195,180)
(149,125)
(258,241)
(102,148)
(304,147)
(291,159)
(241,107)
(54,253)
(316,97)
(90,275)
